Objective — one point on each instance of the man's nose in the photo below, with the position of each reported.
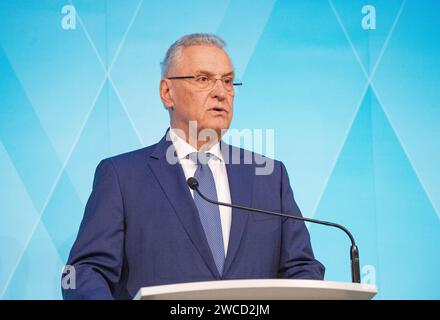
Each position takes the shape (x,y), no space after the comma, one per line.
(218,91)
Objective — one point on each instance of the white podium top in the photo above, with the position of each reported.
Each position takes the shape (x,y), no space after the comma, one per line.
(256,289)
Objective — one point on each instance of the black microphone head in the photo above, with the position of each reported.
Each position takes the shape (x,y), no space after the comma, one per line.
(192,183)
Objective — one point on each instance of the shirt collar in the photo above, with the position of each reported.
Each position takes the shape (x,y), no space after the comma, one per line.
(183,149)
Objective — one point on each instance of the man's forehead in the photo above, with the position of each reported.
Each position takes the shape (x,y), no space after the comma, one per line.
(210,73)
(205,58)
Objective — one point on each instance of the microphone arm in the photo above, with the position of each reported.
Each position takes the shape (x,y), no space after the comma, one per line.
(354,251)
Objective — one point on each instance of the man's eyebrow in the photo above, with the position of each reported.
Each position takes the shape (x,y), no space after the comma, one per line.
(231,73)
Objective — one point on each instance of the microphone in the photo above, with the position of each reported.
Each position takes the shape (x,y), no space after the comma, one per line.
(354,251)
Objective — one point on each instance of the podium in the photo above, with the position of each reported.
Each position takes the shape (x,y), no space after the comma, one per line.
(259,289)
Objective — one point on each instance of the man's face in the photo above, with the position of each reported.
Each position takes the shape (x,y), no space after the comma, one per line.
(211,108)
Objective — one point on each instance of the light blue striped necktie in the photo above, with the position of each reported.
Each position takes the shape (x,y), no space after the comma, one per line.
(209,213)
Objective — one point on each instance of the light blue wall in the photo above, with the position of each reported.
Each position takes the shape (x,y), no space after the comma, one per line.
(356,116)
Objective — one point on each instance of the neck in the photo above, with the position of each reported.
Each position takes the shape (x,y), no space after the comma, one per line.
(194,141)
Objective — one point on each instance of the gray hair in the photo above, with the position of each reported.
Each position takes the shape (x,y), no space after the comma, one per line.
(176,48)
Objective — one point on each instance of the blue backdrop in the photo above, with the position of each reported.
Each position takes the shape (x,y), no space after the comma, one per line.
(351,88)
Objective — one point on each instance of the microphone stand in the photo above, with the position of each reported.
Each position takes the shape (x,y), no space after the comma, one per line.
(354,251)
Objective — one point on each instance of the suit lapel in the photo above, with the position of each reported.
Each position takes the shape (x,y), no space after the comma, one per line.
(240,178)
(172,181)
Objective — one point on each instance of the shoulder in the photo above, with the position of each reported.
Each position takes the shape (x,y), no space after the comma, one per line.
(129,160)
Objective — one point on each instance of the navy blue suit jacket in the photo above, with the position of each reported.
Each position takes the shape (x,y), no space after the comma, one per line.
(141,228)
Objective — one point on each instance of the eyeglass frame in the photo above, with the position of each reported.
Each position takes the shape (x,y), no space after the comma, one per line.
(208,76)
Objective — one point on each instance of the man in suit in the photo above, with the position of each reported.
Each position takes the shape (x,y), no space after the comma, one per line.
(144,226)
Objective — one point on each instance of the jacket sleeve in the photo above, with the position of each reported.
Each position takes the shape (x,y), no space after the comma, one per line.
(97,255)
(297,259)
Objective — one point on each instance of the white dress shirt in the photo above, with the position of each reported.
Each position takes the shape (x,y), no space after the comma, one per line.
(218,168)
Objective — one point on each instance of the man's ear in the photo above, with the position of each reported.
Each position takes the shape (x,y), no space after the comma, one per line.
(166,94)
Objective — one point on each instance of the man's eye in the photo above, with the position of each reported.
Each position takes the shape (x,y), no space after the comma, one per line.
(202,79)
(228,80)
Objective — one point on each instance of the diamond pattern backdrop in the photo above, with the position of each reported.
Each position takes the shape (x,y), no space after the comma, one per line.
(355,113)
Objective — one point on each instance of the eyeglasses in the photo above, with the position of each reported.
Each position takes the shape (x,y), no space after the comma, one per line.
(208,81)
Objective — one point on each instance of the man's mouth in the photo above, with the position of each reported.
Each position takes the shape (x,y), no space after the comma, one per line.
(218,109)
